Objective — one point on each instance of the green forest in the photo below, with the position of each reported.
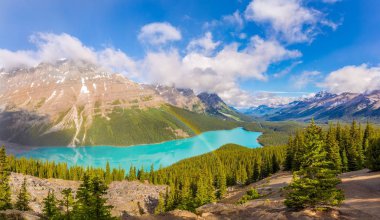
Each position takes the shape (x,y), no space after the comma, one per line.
(315,155)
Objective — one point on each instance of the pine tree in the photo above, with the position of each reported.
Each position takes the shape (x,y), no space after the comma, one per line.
(5,191)
(82,207)
(275,164)
(201,197)
(132,173)
(99,209)
(373,155)
(50,209)
(108,176)
(67,202)
(332,149)
(256,171)
(22,203)
(315,183)
(289,155)
(160,208)
(344,161)
(221,183)
(186,196)
(367,136)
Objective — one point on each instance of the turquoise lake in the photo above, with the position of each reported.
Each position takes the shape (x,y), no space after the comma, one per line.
(165,153)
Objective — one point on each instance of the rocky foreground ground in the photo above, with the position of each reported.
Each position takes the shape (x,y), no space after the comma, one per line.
(135,200)
(127,197)
(362,192)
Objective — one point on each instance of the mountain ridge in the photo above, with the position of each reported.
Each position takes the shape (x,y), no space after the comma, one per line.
(77,103)
(325,106)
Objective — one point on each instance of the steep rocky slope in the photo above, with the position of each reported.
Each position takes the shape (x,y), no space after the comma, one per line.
(216,106)
(77,103)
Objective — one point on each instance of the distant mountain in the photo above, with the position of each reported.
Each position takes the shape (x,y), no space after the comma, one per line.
(78,103)
(259,111)
(327,106)
(216,106)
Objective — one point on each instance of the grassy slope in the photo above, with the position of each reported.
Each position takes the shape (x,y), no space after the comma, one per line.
(135,126)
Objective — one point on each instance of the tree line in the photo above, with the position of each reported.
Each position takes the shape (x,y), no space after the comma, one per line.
(89,202)
(316,157)
(348,147)
(203,179)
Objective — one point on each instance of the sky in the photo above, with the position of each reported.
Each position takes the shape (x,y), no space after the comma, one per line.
(250,52)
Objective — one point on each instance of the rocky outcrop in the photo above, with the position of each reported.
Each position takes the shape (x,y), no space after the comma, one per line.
(127,198)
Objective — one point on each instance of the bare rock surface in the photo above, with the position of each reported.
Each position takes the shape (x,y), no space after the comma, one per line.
(127,198)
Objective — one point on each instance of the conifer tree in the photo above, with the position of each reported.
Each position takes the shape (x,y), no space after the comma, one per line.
(289,155)
(50,209)
(5,191)
(315,183)
(332,149)
(22,203)
(275,164)
(160,206)
(367,136)
(99,209)
(108,176)
(82,207)
(67,202)
(373,155)
(185,202)
(221,183)
(132,173)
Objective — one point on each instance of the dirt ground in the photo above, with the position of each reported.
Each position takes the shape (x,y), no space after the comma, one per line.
(362,192)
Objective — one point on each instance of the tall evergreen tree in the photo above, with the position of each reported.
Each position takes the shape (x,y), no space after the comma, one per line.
(67,202)
(99,210)
(332,149)
(50,209)
(108,176)
(275,164)
(373,155)
(315,183)
(22,203)
(82,207)
(5,191)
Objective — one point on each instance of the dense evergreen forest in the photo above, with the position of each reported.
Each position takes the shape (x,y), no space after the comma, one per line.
(312,153)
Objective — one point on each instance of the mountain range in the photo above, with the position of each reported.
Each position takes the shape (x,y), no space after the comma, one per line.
(78,103)
(324,106)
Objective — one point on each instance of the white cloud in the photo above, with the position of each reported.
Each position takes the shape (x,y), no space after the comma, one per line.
(356,79)
(218,73)
(159,33)
(234,19)
(289,19)
(204,45)
(304,79)
(51,47)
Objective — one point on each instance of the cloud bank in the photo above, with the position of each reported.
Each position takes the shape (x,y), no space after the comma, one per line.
(289,20)
(356,79)
(158,33)
(202,68)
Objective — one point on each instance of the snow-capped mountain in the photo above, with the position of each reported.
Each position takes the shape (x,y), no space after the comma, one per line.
(79,103)
(327,106)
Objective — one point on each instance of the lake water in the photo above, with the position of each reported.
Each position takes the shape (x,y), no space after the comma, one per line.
(165,153)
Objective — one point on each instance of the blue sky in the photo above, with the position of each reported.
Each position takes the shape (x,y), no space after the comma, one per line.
(250,52)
